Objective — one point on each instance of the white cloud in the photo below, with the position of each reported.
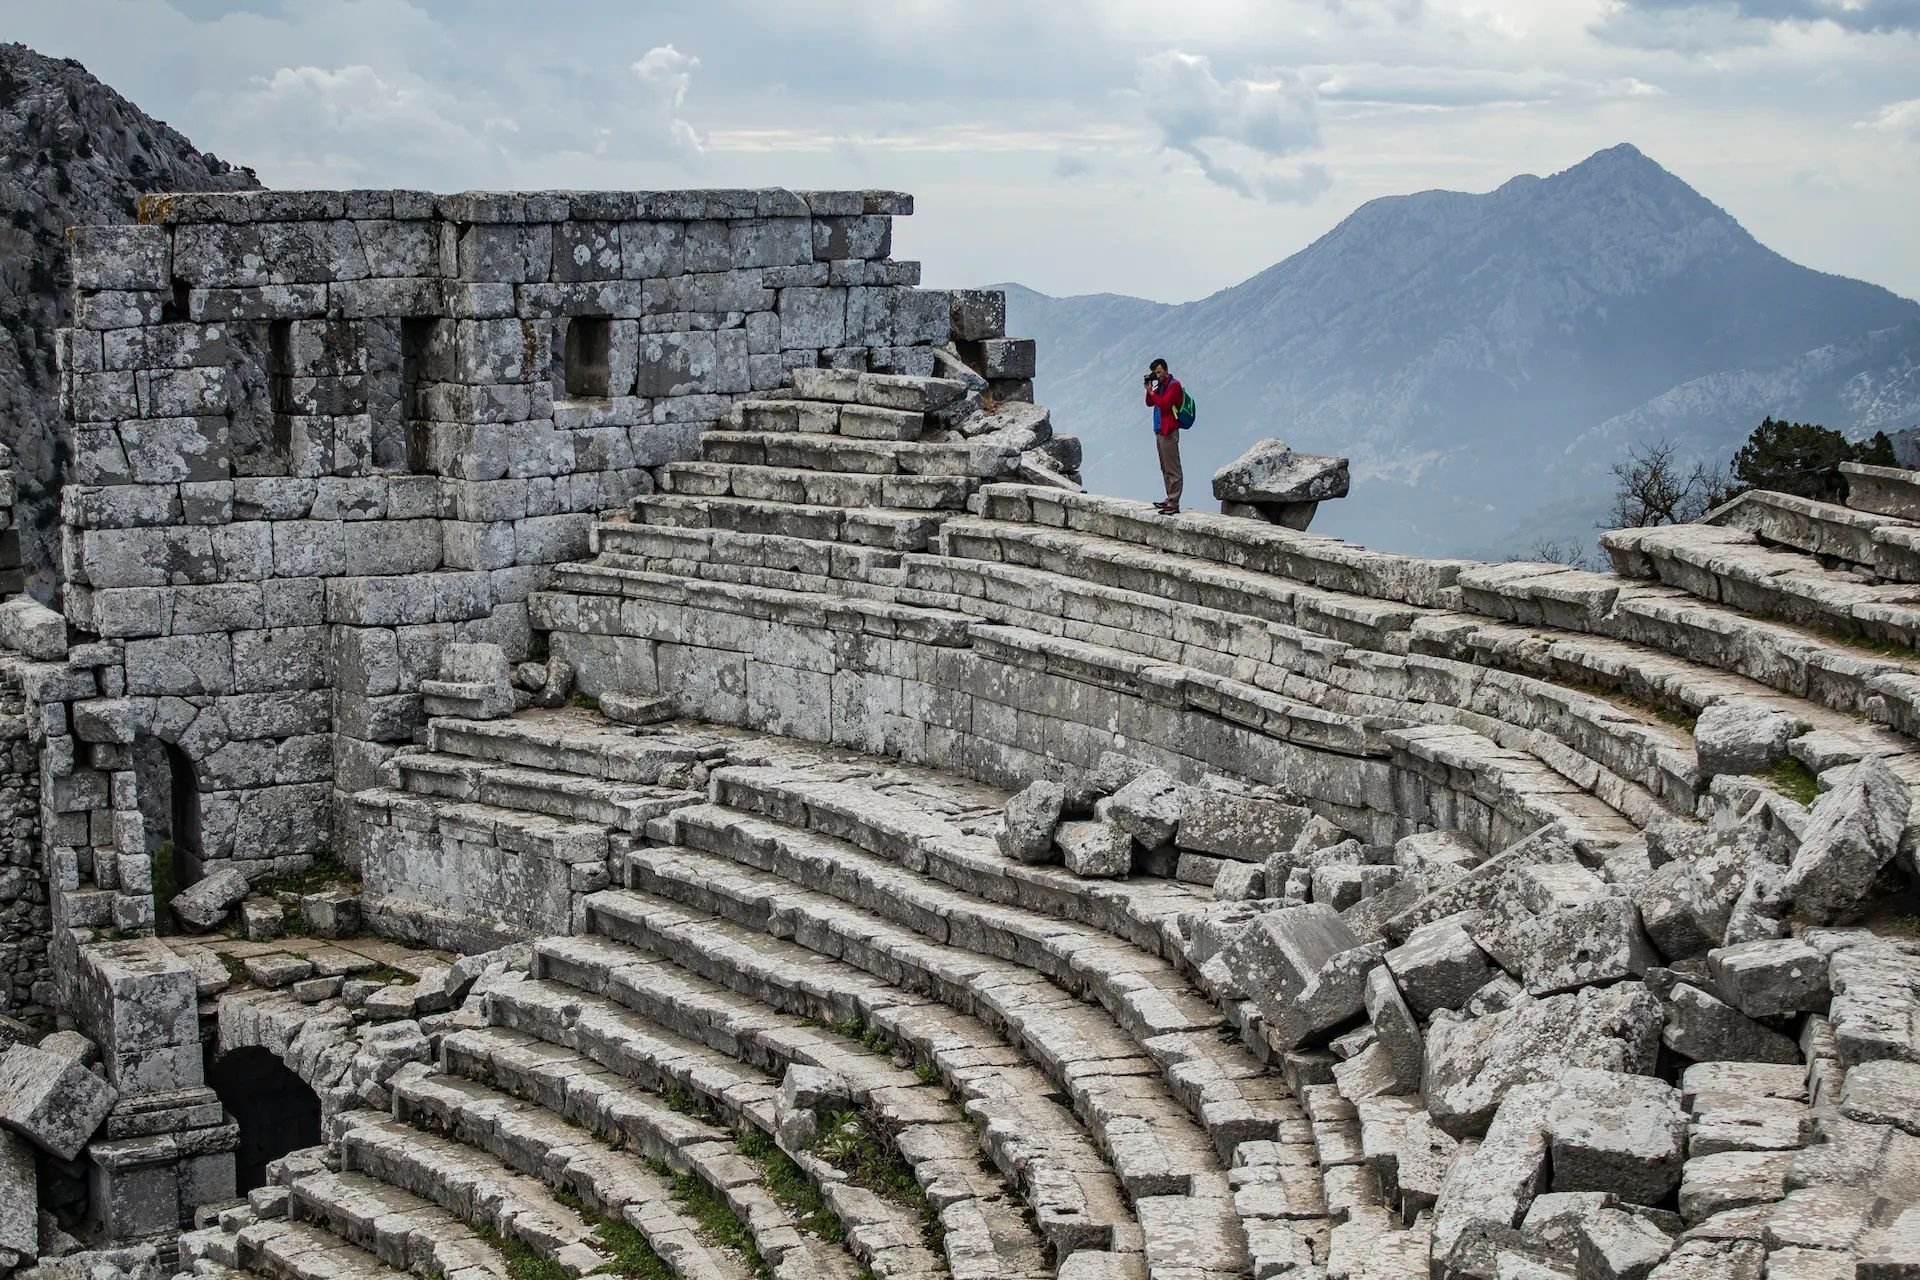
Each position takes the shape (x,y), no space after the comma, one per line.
(666,74)
(1896,117)
(1240,132)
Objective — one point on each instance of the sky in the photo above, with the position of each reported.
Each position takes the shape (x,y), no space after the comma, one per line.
(1165,150)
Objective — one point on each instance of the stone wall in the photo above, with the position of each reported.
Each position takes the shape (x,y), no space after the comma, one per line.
(319,436)
(26,975)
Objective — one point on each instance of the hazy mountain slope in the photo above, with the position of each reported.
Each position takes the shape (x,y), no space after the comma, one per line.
(1465,350)
(72,152)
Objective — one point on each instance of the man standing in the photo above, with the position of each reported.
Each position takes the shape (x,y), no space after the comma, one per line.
(1163,396)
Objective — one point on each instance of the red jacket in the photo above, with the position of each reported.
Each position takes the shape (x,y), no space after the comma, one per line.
(1166,406)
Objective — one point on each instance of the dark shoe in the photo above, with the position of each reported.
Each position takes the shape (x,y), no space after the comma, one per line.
(1166,508)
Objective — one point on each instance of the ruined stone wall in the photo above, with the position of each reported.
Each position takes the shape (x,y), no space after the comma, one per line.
(319,436)
(26,986)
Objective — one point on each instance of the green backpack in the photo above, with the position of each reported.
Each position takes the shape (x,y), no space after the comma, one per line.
(1184,414)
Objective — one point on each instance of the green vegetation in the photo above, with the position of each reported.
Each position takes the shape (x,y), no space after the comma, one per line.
(789,1184)
(718,1220)
(927,1072)
(857,1144)
(236,971)
(524,1262)
(322,872)
(1804,458)
(632,1256)
(1794,779)
(870,1038)
(582,700)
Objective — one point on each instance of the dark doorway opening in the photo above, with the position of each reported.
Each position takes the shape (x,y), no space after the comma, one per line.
(274,1109)
(170,813)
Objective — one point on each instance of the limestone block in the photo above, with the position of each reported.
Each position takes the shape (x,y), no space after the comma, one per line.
(1883,1092)
(1771,976)
(1705,1029)
(120,257)
(1148,808)
(1616,1245)
(1274,957)
(1739,735)
(1007,358)
(204,904)
(812,318)
(1229,824)
(1472,1061)
(53,1102)
(1098,848)
(1439,967)
(19,1199)
(977,314)
(1615,1132)
(1726,1180)
(1334,994)
(1852,832)
(1395,1030)
(1270,472)
(1029,820)
(31,628)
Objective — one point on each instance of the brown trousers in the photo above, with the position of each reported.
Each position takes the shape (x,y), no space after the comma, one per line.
(1169,448)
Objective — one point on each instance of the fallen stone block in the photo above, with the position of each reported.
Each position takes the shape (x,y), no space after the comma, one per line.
(1892,1252)
(1490,1187)
(628,706)
(1713,1260)
(1439,966)
(1228,824)
(1876,1003)
(53,1102)
(1148,808)
(19,1198)
(1616,1245)
(1740,735)
(262,919)
(1852,832)
(1395,1030)
(1558,927)
(1705,1029)
(1883,1092)
(206,902)
(1098,848)
(1725,1180)
(1474,1061)
(1616,1132)
(1773,976)
(331,913)
(31,628)
(1270,473)
(1274,957)
(1029,820)
(1548,845)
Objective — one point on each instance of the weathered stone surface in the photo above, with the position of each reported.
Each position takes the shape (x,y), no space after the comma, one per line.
(1395,1030)
(1770,977)
(1247,828)
(204,904)
(1706,1029)
(53,1102)
(1273,958)
(1852,832)
(1472,1062)
(1099,848)
(1029,820)
(1884,1092)
(1269,471)
(1615,1245)
(1149,808)
(19,1198)
(1439,967)
(1616,1132)
(1736,735)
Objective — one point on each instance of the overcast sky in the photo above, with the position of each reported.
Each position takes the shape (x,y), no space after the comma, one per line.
(1160,148)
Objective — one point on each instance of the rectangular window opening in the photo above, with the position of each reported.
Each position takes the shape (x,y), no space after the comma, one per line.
(589,358)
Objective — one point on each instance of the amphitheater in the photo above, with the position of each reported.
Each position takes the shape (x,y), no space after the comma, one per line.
(599,734)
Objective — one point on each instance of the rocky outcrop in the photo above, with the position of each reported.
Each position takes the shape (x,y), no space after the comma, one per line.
(72,153)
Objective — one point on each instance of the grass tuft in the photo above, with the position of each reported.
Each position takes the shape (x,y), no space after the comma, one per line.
(718,1219)
(322,872)
(524,1262)
(1794,779)
(788,1183)
(583,701)
(857,1144)
(632,1256)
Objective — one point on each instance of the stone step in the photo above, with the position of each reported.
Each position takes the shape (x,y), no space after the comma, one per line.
(1887,547)
(485,1193)
(652,1021)
(827,417)
(1887,491)
(1325,562)
(1730,567)
(869,908)
(528,1137)
(285,1249)
(1645,767)
(582,742)
(625,806)
(401,1229)
(812,451)
(814,488)
(1154,1146)
(881,390)
(665,548)
(890,530)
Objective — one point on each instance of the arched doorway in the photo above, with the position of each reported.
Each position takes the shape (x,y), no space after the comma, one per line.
(274,1109)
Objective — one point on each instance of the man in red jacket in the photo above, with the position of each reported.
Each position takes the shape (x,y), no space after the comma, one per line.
(1163,397)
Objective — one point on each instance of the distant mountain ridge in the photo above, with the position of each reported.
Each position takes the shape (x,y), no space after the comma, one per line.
(72,153)
(1486,358)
